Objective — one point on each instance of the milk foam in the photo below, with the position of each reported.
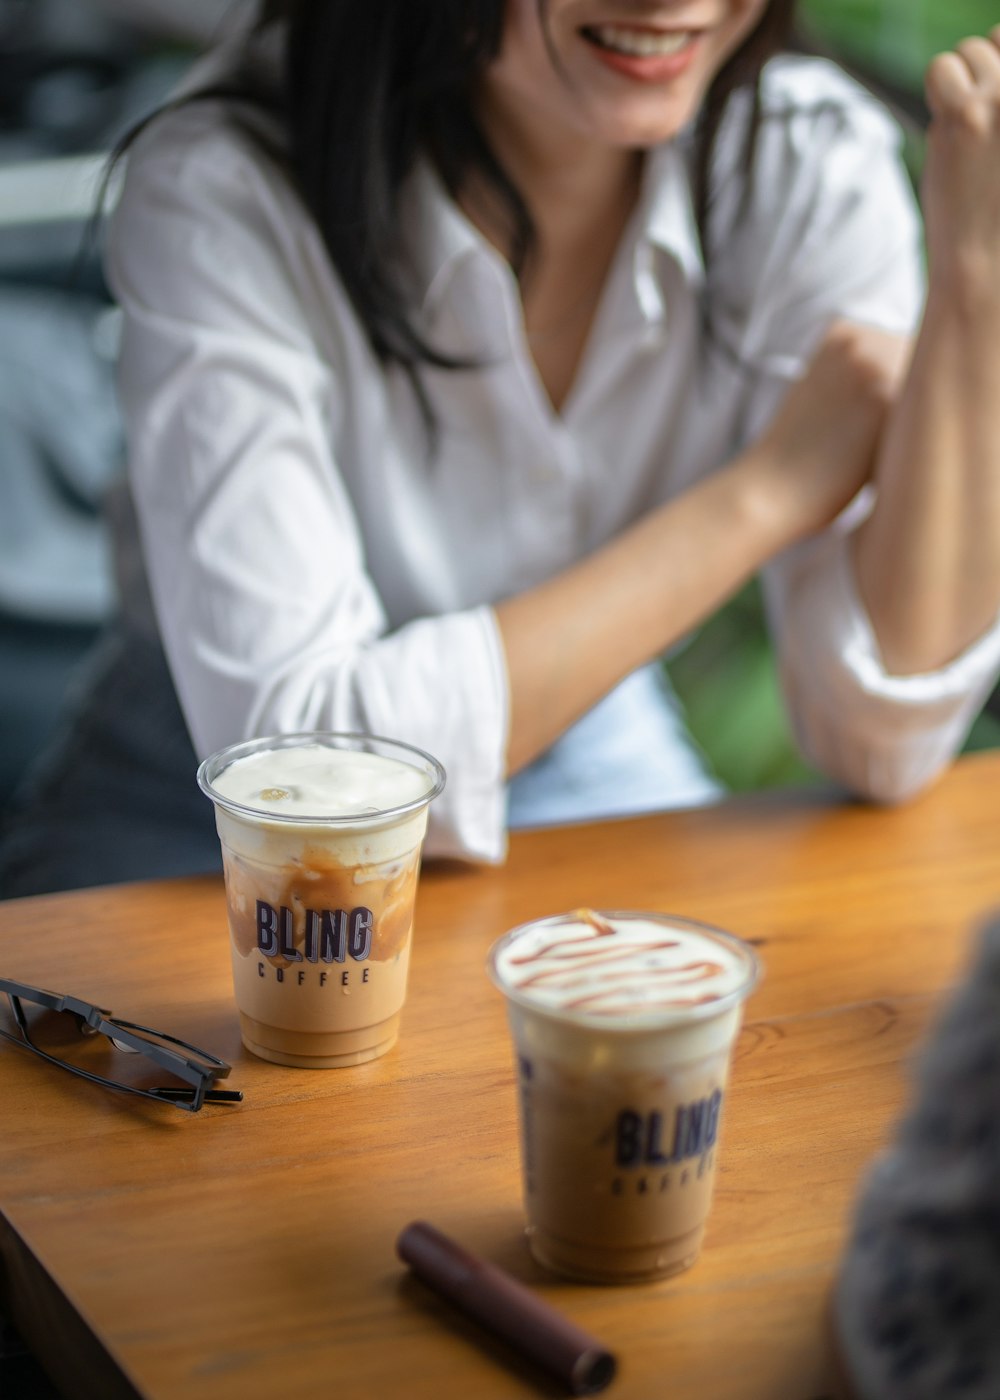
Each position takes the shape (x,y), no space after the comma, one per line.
(313,780)
(604,994)
(619,969)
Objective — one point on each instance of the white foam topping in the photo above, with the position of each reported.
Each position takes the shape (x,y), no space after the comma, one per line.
(313,780)
(622,968)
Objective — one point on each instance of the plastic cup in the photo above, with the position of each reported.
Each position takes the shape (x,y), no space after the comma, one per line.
(321,839)
(623,1026)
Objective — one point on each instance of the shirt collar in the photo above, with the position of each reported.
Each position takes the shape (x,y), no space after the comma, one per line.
(667,218)
(441,238)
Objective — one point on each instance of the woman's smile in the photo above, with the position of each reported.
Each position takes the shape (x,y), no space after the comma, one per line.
(641,52)
(624,75)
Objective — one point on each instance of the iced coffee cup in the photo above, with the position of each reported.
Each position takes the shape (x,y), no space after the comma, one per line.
(623,1027)
(321,840)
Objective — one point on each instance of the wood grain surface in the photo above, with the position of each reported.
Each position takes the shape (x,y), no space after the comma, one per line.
(249,1252)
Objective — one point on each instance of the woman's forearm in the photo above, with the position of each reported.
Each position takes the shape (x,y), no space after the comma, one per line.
(571,639)
(928,559)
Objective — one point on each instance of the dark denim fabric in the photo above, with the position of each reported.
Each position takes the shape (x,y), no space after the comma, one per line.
(114,797)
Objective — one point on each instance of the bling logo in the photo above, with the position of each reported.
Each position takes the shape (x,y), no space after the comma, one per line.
(331,935)
(640,1140)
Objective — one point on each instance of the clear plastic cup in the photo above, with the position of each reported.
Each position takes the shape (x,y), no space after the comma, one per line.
(623,1027)
(321,841)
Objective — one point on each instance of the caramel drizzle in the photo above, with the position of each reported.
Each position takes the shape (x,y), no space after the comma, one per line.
(588,1002)
(568,978)
(600,926)
(588,953)
(593,951)
(591,917)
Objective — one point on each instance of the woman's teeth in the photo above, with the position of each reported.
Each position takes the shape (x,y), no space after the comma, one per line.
(638,43)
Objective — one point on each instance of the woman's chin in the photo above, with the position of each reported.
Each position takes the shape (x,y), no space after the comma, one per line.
(642,129)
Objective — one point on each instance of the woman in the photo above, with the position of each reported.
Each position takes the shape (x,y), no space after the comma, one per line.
(476,350)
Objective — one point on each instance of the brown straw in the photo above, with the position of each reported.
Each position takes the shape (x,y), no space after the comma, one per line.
(508,1309)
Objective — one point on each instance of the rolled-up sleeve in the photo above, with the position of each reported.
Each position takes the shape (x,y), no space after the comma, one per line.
(849,246)
(883,736)
(266,604)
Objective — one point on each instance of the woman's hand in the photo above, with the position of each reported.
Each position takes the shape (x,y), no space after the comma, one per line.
(961,183)
(820,449)
(568,641)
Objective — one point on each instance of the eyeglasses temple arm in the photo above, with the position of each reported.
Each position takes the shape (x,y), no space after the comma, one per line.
(210,1095)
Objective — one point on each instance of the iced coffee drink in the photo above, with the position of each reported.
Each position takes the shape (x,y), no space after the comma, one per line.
(623,1026)
(321,840)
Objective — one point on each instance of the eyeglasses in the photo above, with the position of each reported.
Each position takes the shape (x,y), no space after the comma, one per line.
(95,1045)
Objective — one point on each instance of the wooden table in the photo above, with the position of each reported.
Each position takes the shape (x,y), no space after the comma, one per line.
(249,1252)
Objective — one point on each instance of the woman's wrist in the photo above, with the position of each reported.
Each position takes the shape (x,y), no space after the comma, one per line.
(963,300)
(768,492)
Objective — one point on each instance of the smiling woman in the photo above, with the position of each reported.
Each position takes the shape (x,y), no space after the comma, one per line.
(475,351)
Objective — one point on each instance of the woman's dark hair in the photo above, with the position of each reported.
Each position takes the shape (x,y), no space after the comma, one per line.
(367,87)
(369,84)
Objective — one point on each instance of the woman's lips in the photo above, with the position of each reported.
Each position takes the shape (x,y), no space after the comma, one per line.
(646,55)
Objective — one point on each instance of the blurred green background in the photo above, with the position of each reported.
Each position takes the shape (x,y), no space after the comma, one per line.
(896,37)
(726,675)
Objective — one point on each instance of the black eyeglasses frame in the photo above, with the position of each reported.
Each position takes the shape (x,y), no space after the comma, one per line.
(202,1073)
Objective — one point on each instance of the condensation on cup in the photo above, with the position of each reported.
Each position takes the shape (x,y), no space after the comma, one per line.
(321,839)
(623,1026)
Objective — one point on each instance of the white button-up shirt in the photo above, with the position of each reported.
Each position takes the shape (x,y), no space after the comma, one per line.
(314,565)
